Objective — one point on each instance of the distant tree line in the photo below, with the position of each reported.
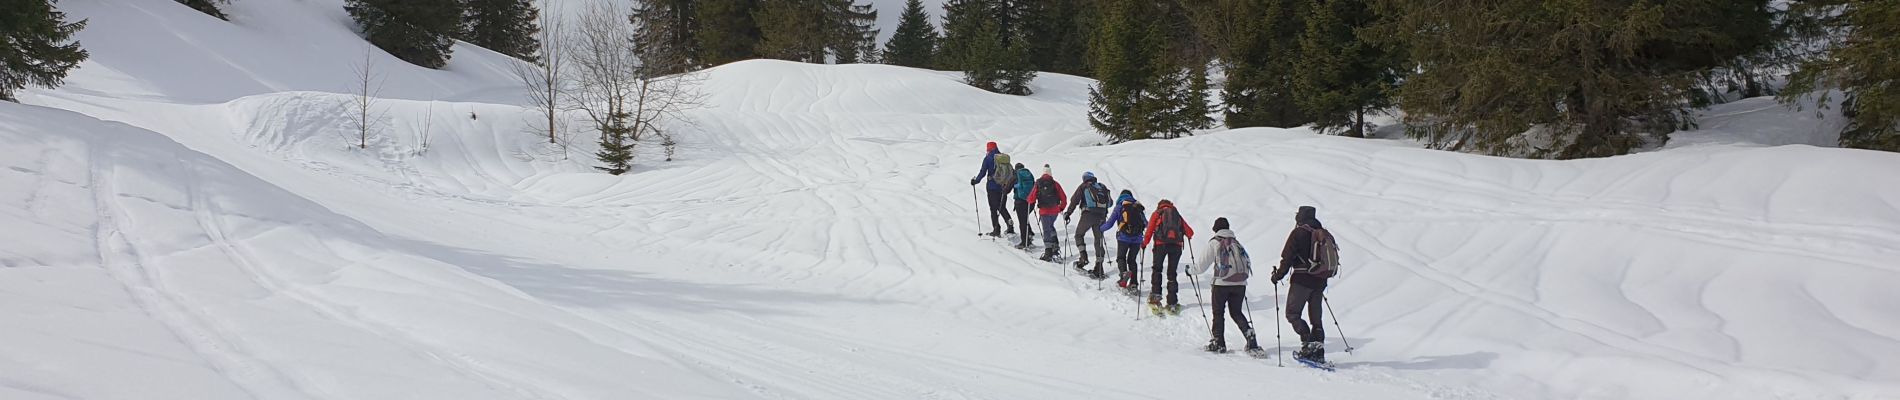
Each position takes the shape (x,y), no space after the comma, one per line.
(1533,78)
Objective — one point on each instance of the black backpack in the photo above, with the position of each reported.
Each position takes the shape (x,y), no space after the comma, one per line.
(1047,193)
(1134,219)
(1097,196)
(1169,228)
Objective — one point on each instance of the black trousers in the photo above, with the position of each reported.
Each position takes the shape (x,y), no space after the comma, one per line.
(1234,300)
(1022,220)
(1128,257)
(997,209)
(1309,299)
(1167,257)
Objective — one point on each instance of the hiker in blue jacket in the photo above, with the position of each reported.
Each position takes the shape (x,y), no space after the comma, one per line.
(1025,183)
(1130,221)
(996,167)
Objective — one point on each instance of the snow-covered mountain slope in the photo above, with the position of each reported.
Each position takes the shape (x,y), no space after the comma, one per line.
(224,239)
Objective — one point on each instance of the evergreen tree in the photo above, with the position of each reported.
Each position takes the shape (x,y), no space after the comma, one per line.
(1257,44)
(1195,108)
(1143,90)
(816,31)
(914,43)
(1055,31)
(418,31)
(664,36)
(1861,65)
(851,31)
(616,145)
(1605,75)
(34,47)
(505,26)
(1341,77)
(209,7)
(791,30)
(975,42)
(726,31)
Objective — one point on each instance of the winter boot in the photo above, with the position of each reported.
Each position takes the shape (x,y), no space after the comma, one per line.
(1253,347)
(1216,345)
(1097,274)
(1049,253)
(995,232)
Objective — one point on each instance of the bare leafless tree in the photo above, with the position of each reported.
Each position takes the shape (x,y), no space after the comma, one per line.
(364,107)
(625,102)
(545,83)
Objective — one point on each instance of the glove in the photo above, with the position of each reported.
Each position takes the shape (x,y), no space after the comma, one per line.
(1278,273)
(1065,218)
(973,181)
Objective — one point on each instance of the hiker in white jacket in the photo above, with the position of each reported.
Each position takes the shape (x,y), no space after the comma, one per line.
(1231,267)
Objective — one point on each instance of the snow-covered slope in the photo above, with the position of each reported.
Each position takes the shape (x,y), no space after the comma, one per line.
(224,239)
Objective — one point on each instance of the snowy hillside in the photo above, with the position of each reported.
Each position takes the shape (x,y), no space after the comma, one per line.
(203,228)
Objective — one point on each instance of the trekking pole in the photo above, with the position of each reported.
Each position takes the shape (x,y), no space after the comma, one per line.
(1279,356)
(979,210)
(1197,290)
(1342,331)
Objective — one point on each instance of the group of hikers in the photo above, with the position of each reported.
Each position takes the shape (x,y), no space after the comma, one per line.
(1309,258)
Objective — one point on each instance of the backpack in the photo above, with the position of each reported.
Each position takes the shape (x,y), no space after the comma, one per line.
(1324,262)
(1003,172)
(1047,194)
(1168,229)
(1024,183)
(1233,264)
(1134,222)
(1097,197)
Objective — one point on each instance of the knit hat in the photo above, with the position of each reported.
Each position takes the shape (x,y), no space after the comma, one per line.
(1020,166)
(1220,224)
(1308,216)
(1047,171)
(992,146)
(1088,176)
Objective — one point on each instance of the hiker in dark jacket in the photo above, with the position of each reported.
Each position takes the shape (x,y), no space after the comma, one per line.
(1129,223)
(1307,293)
(995,188)
(1092,197)
(1025,182)
(1231,267)
(1168,231)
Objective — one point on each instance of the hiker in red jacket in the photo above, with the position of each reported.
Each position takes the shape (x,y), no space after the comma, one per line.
(1049,201)
(1168,231)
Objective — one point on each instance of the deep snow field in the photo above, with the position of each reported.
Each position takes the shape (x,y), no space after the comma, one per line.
(188,219)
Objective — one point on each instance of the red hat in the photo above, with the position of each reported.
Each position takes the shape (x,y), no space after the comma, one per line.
(992,146)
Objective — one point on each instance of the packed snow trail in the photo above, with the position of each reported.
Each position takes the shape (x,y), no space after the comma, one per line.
(814,241)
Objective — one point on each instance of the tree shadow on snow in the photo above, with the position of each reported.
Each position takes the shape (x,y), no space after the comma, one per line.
(605,288)
(1474,360)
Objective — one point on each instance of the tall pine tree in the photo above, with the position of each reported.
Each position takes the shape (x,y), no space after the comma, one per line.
(209,7)
(34,47)
(976,42)
(418,31)
(815,31)
(1142,90)
(914,43)
(1861,65)
(505,26)
(791,30)
(1257,44)
(1606,76)
(664,36)
(1341,76)
(726,31)
(1055,31)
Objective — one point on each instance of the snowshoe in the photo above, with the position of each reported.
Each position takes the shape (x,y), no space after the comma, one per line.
(1174,309)
(1215,346)
(1256,352)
